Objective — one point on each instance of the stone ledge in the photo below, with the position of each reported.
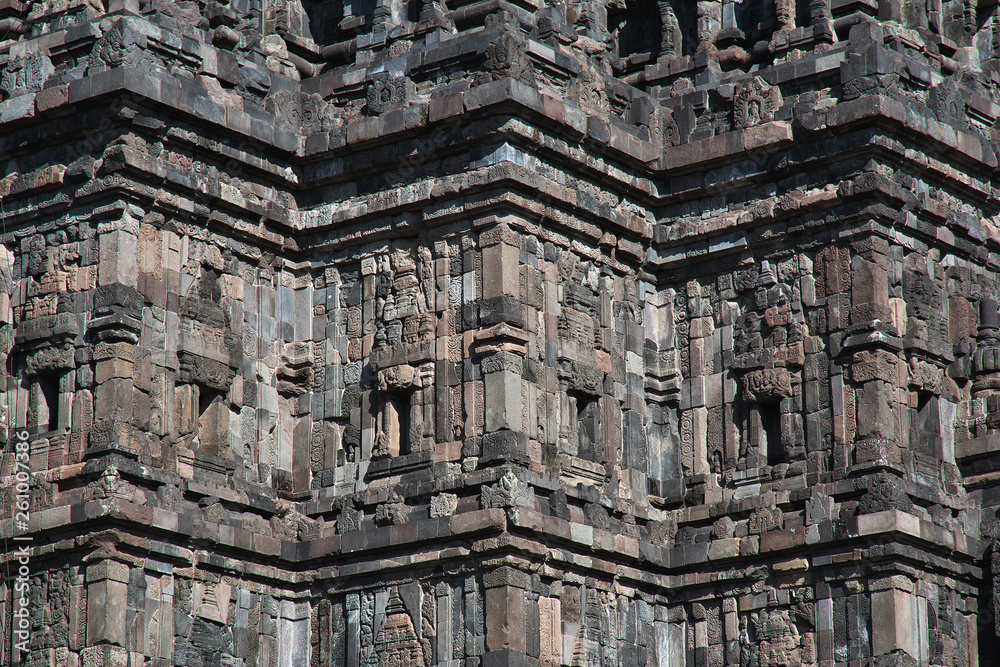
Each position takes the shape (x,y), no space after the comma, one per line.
(398,465)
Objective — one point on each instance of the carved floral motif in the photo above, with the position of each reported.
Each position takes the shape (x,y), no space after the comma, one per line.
(948,102)
(591,92)
(349,520)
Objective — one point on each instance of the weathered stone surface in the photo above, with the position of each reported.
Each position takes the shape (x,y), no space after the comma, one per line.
(608,333)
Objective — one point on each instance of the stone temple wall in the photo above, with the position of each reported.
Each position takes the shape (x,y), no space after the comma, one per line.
(385,333)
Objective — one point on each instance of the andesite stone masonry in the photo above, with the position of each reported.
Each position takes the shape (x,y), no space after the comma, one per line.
(501,333)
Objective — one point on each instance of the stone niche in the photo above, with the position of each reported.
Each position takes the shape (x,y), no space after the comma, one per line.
(435,333)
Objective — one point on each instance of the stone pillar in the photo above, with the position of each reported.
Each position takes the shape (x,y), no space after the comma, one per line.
(445,609)
(113,392)
(821,19)
(502,383)
(293,633)
(506,613)
(699,437)
(353,605)
(729,15)
(785,10)
(501,345)
(870,284)
(301,444)
(115,324)
(107,594)
(875,347)
(709,22)
(503,439)
(890,10)
(501,262)
(396,389)
(899,620)
(671,38)
(986,362)
(118,245)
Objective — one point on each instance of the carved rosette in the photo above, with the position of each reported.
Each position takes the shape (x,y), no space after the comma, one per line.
(443,504)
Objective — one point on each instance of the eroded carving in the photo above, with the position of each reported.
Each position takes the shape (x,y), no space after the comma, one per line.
(754,102)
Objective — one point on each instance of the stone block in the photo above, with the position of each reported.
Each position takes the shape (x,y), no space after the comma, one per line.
(724,548)
(445,106)
(106,612)
(503,401)
(504,447)
(501,309)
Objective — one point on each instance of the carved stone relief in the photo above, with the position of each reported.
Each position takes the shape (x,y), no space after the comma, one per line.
(754,102)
